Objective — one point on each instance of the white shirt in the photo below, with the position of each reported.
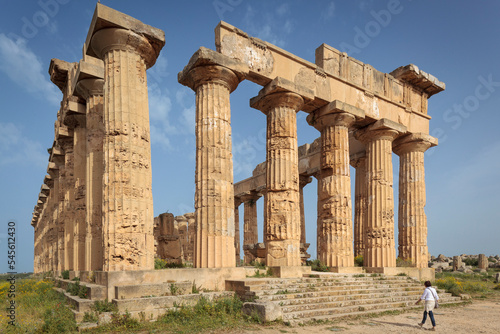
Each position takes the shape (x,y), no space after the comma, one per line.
(429,294)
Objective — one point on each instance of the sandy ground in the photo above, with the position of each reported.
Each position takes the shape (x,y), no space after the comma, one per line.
(479,317)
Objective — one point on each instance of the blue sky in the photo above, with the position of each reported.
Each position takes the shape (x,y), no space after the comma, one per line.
(456,41)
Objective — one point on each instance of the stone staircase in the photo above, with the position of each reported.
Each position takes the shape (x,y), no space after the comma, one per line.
(327,295)
(141,301)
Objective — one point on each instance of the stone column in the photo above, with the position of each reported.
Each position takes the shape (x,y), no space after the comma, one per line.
(127,203)
(67,183)
(482,262)
(360,202)
(379,235)
(92,91)
(412,221)
(280,101)
(80,162)
(250,228)
(457,262)
(210,76)
(237,245)
(303,181)
(334,182)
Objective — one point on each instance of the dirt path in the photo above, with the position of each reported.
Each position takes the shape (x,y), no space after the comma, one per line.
(479,317)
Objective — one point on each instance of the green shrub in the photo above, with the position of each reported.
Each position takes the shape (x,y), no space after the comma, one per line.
(101,306)
(123,321)
(471,262)
(163,264)
(257,264)
(316,265)
(358,261)
(400,262)
(58,320)
(90,317)
(65,274)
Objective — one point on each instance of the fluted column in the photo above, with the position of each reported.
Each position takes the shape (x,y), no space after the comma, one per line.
(379,235)
(412,221)
(67,184)
(92,91)
(280,102)
(127,203)
(360,202)
(250,229)
(334,183)
(214,195)
(237,245)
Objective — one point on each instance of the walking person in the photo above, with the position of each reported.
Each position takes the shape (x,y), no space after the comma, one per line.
(430,299)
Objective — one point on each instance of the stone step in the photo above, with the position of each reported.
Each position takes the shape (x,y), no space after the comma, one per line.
(306,298)
(354,312)
(341,289)
(324,313)
(153,290)
(150,305)
(79,305)
(94,291)
(357,300)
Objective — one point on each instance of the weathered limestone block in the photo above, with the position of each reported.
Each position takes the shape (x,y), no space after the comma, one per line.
(334,183)
(482,262)
(457,263)
(213,77)
(182,230)
(379,242)
(266,311)
(189,254)
(127,204)
(280,100)
(360,203)
(168,240)
(412,221)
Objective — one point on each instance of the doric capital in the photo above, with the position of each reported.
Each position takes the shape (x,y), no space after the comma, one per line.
(413,142)
(90,87)
(335,113)
(381,129)
(304,180)
(250,197)
(109,39)
(357,159)
(208,66)
(107,18)
(281,93)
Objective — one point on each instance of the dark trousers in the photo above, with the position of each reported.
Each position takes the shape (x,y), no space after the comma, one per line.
(431,315)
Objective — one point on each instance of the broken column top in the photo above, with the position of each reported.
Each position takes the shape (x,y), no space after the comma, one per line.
(414,76)
(105,17)
(58,71)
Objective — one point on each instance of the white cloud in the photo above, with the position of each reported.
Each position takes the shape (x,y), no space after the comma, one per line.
(16,148)
(329,12)
(159,71)
(23,67)
(272,26)
(160,106)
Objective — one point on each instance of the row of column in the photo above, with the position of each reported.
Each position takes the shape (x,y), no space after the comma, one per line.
(101,195)
(213,77)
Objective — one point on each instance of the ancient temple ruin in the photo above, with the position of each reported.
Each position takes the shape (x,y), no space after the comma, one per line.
(95,209)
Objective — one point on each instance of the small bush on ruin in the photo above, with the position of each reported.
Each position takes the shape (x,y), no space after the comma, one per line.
(317,265)
(65,274)
(101,306)
(400,262)
(257,264)
(358,261)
